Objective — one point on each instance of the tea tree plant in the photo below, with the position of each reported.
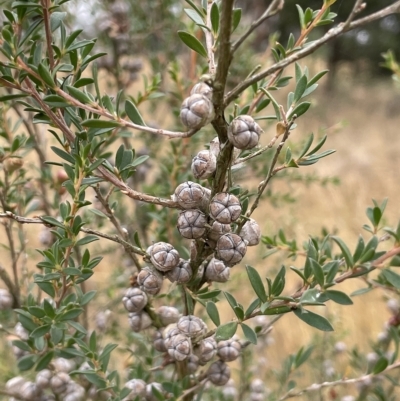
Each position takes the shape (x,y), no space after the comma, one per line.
(182,228)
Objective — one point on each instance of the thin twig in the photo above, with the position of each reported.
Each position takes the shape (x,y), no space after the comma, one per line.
(356,9)
(47,28)
(210,39)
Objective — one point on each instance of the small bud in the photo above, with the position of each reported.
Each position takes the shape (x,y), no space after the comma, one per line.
(340,347)
(158,342)
(192,223)
(204,164)
(230,249)
(149,391)
(218,373)
(225,208)
(192,363)
(229,350)
(137,387)
(251,233)
(43,378)
(244,132)
(139,321)
(257,386)
(150,280)
(191,326)
(217,271)
(206,350)
(168,315)
(169,332)
(6,299)
(196,111)
(180,274)
(134,299)
(164,256)
(59,382)
(190,195)
(393,306)
(179,347)
(202,88)
(45,236)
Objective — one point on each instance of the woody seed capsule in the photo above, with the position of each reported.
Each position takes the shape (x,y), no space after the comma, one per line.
(158,342)
(191,326)
(137,387)
(139,321)
(164,256)
(251,233)
(168,315)
(59,382)
(230,249)
(204,164)
(244,132)
(149,391)
(192,363)
(190,195)
(203,89)
(196,111)
(179,347)
(219,373)
(225,208)
(229,350)
(134,299)
(192,223)
(169,332)
(206,350)
(6,299)
(43,378)
(180,274)
(150,280)
(217,271)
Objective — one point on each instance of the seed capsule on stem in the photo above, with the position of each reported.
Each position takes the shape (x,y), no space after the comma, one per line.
(244,132)
(230,249)
(196,111)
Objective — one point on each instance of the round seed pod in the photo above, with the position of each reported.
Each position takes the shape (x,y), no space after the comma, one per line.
(229,391)
(21,332)
(204,164)
(251,233)
(6,299)
(74,392)
(102,319)
(168,315)
(257,386)
(229,350)
(169,332)
(149,395)
(43,378)
(164,256)
(202,88)
(192,363)
(134,299)
(206,350)
(218,230)
(196,111)
(219,373)
(29,391)
(244,132)
(191,195)
(225,208)
(13,385)
(158,342)
(191,326)
(179,347)
(139,321)
(192,223)
(257,396)
(63,364)
(217,271)
(180,274)
(150,280)
(59,382)
(231,249)
(137,387)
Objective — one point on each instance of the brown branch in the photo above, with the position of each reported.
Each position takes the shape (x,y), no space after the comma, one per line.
(47,28)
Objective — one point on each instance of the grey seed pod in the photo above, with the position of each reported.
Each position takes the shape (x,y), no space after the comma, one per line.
(231,249)
(206,350)
(59,382)
(191,326)
(180,274)
(192,223)
(192,363)
(244,132)
(134,299)
(150,280)
(204,164)
(6,300)
(139,321)
(164,256)
(229,391)
(251,233)
(101,320)
(43,378)
(63,365)
(179,347)
(137,387)
(229,350)
(149,391)
(74,392)
(202,88)
(158,342)
(191,195)
(257,396)
(13,385)
(169,332)
(218,230)
(29,391)
(219,373)
(257,386)
(168,315)
(225,208)
(21,332)
(217,271)
(196,111)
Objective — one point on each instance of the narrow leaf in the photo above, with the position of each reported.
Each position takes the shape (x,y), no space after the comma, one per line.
(314,320)
(133,113)
(212,311)
(192,42)
(226,331)
(249,333)
(256,283)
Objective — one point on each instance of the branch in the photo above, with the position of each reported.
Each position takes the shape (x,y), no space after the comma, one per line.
(210,39)
(331,34)
(273,9)
(317,387)
(47,28)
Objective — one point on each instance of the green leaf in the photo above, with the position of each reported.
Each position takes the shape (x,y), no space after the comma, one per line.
(226,331)
(318,272)
(345,251)
(96,123)
(339,297)
(40,331)
(299,110)
(231,299)
(45,75)
(279,282)
(256,283)
(300,88)
(55,19)
(212,311)
(317,77)
(87,240)
(88,297)
(21,345)
(26,362)
(71,314)
(52,221)
(214,18)
(63,154)
(380,365)
(79,95)
(12,97)
(236,17)
(44,361)
(392,277)
(133,113)
(249,333)
(312,319)
(36,311)
(193,43)
(194,16)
